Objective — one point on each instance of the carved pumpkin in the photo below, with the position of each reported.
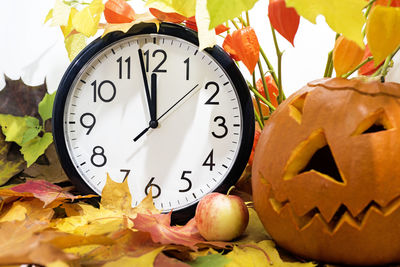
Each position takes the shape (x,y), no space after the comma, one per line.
(326,172)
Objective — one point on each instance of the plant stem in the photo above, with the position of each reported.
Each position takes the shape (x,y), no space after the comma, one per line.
(258,119)
(258,102)
(383,70)
(266,91)
(247,18)
(357,67)
(279,54)
(262,98)
(328,63)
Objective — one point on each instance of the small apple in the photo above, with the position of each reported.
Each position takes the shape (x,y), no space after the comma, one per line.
(221,217)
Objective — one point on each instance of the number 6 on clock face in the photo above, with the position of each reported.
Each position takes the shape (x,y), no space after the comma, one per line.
(149,107)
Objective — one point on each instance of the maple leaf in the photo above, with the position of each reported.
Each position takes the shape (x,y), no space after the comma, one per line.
(49,170)
(10,163)
(26,209)
(161,231)
(51,195)
(20,243)
(19,99)
(144,260)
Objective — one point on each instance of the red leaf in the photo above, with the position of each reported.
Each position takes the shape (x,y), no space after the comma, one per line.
(243,46)
(285,20)
(191,24)
(118,11)
(158,225)
(272,89)
(368,68)
(40,189)
(170,17)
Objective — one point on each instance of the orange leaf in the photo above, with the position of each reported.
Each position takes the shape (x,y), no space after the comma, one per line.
(246,45)
(158,225)
(272,89)
(394,3)
(40,189)
(118,11)
(368,68)
(285,20)
(346,55)
(169,17)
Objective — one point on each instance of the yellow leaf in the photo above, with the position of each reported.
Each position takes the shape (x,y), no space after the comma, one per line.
(74,44)
(87,20)
(69,27)
(343,16)
(57,263)
(383,31)
(206,36)
(124,27)
(259,254)
(48,16)
(144,260)
(16,213)
(60,14)
(116,196)
(184,7)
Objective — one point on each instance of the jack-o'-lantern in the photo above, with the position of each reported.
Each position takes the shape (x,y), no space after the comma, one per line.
(326,172)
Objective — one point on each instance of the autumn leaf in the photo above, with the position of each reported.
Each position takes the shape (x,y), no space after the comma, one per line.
(26,210)
(36,147)
(59,14)
(45,106)
(215,260)
(19,99)
(165,16)
(283,19)
(50,169)
(343,16)
(67,29)
(118,11)
(184,7)
(50,194)
(13,128)
(144,260)
(87,20)
(382,31)
(346,55)
(8,166)
(74,44)
(124,27)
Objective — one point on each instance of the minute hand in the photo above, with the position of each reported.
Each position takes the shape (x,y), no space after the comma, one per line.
(177,102)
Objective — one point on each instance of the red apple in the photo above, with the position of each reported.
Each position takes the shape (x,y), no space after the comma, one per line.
(221,217)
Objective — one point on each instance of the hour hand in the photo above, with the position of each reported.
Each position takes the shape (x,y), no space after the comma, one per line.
(146,84)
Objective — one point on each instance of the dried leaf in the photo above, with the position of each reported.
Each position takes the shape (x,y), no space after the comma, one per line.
(164,261)
(118,11)
(214,260)
(124,27)
(50,170)
(19,99)
(52,195)
(26,209)
(74,44)
(382,31)
(9,166)
(144,260)
(346,55)
(343,16)
(87,20)
(284,19)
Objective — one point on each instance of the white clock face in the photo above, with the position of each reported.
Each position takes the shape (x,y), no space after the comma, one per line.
(155,110)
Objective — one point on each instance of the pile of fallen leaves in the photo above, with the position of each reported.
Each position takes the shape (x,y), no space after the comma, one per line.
(42,224)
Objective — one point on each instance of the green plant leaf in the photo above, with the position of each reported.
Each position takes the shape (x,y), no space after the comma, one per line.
(215,260)
(343,16)
(33,129)
(186,8)
(13,128)
(36,147)
(46,106)
(224,10)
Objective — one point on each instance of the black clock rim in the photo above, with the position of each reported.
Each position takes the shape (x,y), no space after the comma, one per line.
(217,53)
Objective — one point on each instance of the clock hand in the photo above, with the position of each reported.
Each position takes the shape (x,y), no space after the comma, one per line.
(168,110)
(153,104)
(146,84)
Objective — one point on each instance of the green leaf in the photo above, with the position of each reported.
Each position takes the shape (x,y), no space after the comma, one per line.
(87,20)
(343,16)
(33,129)
(13,127)
(46,106)
(74,44)
(184,7)
(36,147)
(224,10)
(215,260)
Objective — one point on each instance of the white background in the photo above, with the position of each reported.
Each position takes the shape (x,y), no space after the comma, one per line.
(35,52)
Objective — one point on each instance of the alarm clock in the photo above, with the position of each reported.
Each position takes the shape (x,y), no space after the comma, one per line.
(149,106)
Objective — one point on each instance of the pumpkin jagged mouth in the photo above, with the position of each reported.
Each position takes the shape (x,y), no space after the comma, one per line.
(341,216)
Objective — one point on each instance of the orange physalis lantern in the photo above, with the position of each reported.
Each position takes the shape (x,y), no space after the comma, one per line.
(285,20)
(243,45)
(368,68)
(170,17)
(118,11)
(346,55)
(272,89)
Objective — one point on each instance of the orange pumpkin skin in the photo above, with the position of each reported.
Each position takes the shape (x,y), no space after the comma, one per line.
(350,216)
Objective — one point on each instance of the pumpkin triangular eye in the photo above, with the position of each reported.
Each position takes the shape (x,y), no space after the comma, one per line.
(375,122)
(296,108)
(313,155)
